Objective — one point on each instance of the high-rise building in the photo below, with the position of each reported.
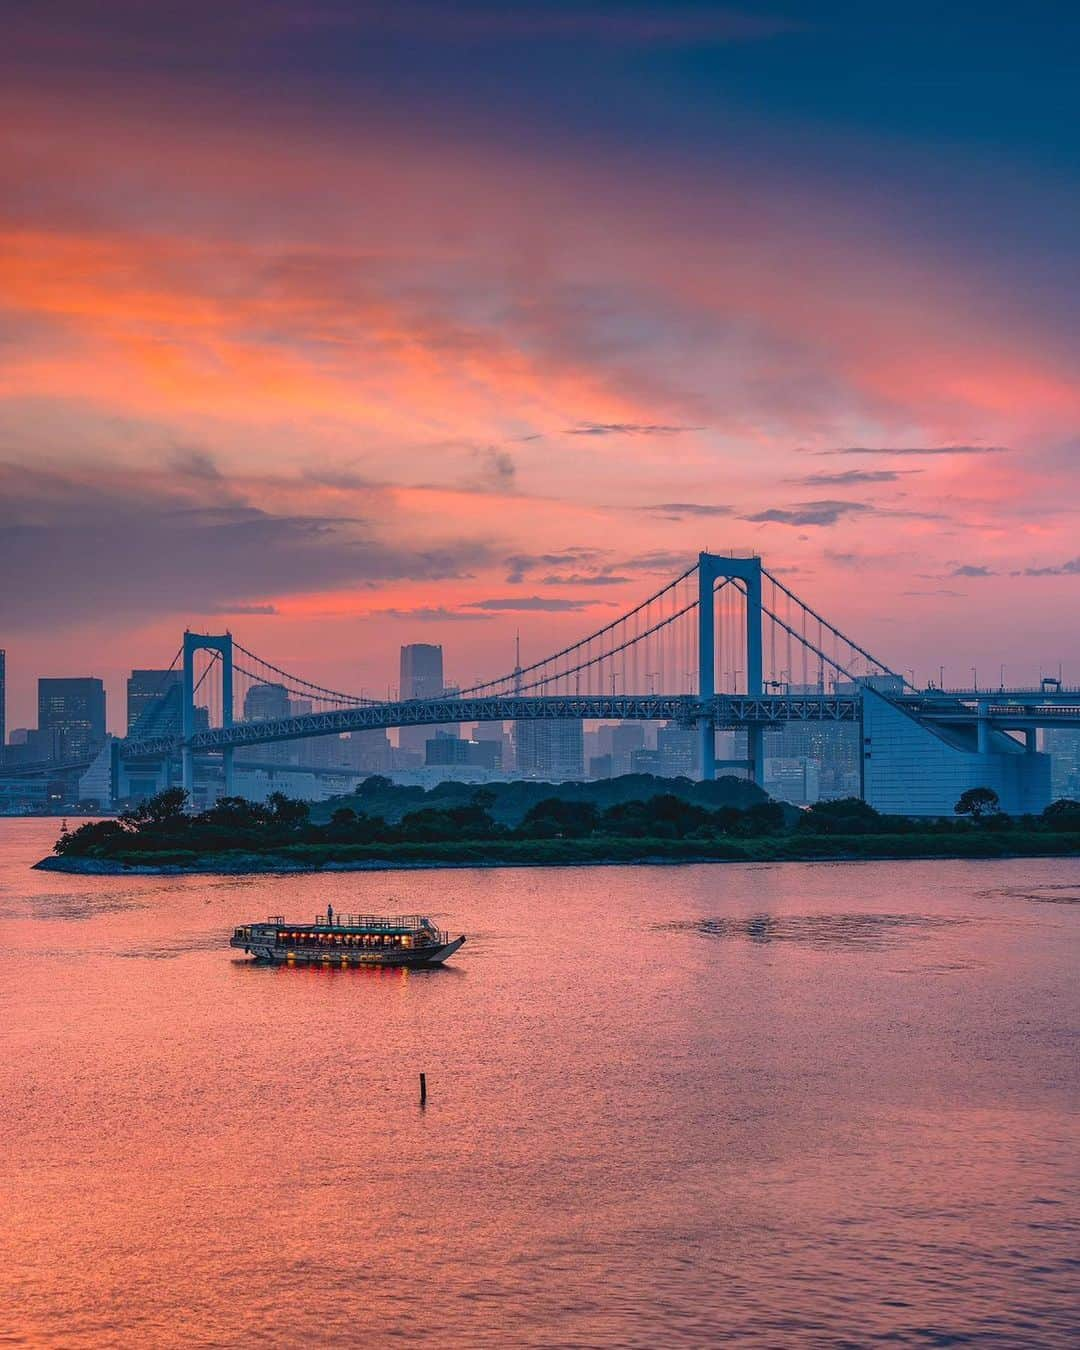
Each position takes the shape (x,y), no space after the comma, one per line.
(71,716)
(621,740)
(145,688)
(264,702)
(552,750)
(496,731)
(1062,744)
(3,701)
(421,676)
(368,751)
(678,748)
(421,670)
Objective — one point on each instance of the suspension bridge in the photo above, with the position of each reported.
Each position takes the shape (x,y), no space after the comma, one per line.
(726,644)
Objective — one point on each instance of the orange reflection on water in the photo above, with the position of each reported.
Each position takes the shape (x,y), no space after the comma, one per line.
(784,1105)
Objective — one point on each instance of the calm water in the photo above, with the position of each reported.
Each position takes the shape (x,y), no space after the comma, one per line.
(801,1105)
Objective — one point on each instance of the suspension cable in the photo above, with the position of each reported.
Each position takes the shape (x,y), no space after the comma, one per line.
(334,694)
(566,651)
(887,670)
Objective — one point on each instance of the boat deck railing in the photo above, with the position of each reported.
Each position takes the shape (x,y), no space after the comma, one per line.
(409,922)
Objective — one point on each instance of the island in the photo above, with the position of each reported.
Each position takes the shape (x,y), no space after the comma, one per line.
(633,819)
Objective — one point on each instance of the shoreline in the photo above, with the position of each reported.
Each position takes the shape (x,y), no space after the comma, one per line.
(574,853)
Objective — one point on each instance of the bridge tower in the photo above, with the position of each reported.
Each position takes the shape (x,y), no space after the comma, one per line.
(714,568)
(223,646)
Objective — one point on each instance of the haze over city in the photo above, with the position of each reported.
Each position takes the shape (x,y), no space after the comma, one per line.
(357,325)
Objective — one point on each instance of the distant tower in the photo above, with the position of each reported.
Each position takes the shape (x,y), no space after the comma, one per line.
(145,688)
(421,677)
(71,716)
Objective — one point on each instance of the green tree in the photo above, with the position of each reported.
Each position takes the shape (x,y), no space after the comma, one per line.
(845,815)
(763,818)
(95,837)
(166,808)
(977,802)
(1064,815)
(553,818)
(287,813)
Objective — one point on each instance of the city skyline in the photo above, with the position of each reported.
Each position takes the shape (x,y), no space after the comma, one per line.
(301,359)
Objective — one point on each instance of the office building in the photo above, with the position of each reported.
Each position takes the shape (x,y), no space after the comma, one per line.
(454,750)
(146,689)
(549,749)
(264,702)
(496,731)
(621,740)
(1062,744)
(368,751)
(793,780)
(71,717)
(421,676)
(679,750)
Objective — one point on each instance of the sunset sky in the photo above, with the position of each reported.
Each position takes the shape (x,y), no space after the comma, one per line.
(343,324)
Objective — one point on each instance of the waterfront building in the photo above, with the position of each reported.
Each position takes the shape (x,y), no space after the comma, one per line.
(145,689)
(913,768)
(71,717)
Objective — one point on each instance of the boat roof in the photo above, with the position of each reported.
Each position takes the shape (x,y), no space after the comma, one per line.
(357,923)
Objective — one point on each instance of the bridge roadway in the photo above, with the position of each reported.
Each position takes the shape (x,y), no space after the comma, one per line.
(1005,709)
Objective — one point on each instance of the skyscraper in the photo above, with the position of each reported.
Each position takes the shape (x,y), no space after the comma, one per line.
(554,750)
(71,716)
(265,703)
(421,677)
(145,688)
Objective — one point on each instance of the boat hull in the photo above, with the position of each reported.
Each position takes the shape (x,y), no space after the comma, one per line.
(343,959)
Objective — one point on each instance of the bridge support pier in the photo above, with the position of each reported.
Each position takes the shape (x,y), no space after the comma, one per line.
(223,646)
(755,751)
(747,571)
(983,727)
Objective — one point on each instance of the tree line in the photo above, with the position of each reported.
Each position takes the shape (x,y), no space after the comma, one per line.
(164,823)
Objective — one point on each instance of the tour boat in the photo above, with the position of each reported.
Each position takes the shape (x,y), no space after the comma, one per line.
(348,940)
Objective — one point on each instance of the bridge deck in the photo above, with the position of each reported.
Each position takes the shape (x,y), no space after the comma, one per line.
(1005,709)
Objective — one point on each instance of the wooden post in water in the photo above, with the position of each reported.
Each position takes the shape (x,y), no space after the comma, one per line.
(423,1089)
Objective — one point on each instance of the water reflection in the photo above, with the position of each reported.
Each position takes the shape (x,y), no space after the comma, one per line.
(824,932)
(638,1132)
(1062,893)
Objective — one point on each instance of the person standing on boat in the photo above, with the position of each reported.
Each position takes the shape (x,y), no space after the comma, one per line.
(330,915)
